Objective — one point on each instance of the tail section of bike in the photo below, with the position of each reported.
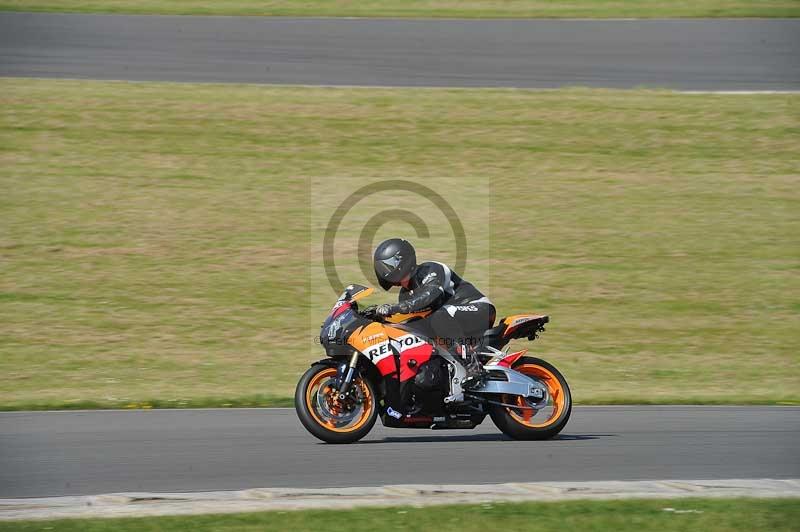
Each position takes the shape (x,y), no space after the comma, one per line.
(514,327)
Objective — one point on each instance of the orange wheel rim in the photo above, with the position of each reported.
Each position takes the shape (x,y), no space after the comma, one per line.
(526,415)
(318,385)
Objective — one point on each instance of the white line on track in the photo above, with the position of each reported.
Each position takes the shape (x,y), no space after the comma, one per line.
(251,500)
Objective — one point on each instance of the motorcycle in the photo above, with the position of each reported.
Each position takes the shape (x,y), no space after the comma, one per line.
(378,367)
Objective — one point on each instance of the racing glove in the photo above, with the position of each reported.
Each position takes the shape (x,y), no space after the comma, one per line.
(385,310)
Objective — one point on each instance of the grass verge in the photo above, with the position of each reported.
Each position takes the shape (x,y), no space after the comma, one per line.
(154,245)
(638,515)
(254,401)
(424,8)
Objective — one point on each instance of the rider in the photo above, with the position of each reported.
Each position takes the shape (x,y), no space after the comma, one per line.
(459,312)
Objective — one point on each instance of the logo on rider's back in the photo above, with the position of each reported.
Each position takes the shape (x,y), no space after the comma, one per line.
(452,309)
(429,277)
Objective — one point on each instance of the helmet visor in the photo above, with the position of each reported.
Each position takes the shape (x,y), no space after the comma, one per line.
(391,270)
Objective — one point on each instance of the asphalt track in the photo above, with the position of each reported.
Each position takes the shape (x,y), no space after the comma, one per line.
(85,453)
(754,54)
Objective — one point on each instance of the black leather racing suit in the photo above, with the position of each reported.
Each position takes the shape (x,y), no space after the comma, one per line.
(460,312)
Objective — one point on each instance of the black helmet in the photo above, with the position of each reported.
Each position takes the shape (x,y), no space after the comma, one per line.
(394,260)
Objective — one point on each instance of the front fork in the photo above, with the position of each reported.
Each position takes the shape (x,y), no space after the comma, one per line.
(346,374)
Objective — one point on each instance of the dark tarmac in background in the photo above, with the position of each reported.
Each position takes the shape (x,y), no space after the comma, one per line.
(719,54)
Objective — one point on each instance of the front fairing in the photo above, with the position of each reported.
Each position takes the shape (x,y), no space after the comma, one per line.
(335,328)
(342,321)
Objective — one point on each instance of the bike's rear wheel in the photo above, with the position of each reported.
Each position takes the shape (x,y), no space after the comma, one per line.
(526,423)
(327,417)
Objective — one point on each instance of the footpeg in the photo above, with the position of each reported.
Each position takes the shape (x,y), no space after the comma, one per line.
(455,398)
(394,413)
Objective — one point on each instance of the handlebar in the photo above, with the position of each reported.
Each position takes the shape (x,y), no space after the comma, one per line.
(370,312)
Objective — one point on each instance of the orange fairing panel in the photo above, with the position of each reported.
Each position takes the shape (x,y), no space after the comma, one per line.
(368,336)
(362,294)
(402,318)
(373,334)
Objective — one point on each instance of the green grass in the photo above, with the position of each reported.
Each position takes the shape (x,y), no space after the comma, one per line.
(424,8)
(637,516)
(155,238)
(252,401)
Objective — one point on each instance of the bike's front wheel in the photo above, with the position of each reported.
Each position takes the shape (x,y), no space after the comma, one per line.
(327,416)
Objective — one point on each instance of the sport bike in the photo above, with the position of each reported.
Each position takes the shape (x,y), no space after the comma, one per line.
(380,367)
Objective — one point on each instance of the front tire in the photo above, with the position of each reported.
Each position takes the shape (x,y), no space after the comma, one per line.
(329,419)
(525,423)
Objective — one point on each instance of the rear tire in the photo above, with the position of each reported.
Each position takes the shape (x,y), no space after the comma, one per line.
(313,407)
(512,421)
